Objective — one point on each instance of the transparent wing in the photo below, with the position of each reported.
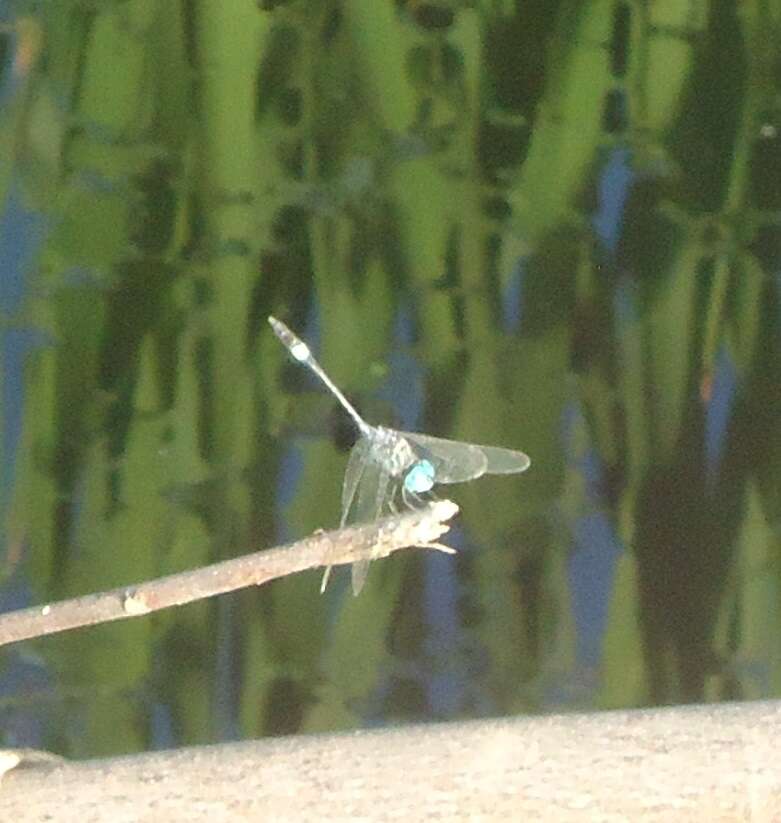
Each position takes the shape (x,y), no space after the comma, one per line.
(366,491)
(368,497)
(352,477)
(457,462)
(505,461)
(369,504)
(453,462)
(360,570)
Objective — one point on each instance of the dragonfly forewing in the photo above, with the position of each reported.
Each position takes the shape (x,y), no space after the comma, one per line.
(505,461)
(453,462)
(457,462)
(368,501)
(356,464)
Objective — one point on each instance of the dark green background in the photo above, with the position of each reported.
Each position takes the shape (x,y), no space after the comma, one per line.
(563,217)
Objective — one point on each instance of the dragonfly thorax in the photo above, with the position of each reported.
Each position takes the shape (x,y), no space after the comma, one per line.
(392,451)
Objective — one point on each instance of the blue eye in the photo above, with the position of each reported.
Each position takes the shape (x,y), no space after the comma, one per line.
(420,478)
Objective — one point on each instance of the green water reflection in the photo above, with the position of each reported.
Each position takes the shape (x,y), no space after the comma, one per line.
(553,230)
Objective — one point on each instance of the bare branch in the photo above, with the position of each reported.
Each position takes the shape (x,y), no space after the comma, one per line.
(420,528)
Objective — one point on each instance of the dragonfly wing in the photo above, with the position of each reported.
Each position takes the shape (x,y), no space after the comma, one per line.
(457,462)
(453,462)
(352,476)
(369,507)
(364,494)
(505,461)
(360,570)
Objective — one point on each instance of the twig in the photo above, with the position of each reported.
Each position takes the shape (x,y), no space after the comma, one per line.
(419,528)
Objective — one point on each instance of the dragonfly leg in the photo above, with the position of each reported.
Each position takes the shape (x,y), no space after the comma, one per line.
(392,498)
(411,499)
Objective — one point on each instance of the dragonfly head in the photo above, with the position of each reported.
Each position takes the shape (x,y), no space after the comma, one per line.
(420,478)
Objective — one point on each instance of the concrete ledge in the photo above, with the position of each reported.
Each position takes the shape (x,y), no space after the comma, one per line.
(715,763)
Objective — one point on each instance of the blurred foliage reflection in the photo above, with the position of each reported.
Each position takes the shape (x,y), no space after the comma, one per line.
(550,226)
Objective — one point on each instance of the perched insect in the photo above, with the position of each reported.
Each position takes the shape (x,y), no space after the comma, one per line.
(385,464)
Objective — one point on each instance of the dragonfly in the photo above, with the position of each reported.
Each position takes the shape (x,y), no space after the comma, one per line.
(386,464)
